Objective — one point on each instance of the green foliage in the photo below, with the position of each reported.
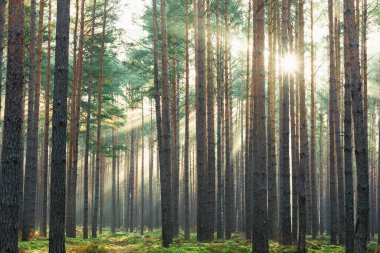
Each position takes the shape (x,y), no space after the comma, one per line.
(151,243)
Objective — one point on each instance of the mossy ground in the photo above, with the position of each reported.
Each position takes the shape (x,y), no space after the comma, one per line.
(151,243)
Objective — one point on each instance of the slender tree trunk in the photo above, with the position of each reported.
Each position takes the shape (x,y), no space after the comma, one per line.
(219,219)
(322,190)
(142,170)
(11,158)
(113,179)
(349,197)
(228,198)
(285,216)
(99,126)
(313,173)
(88,121)
(38,89)
(202,175)
(248,169)
(361,141)
(58,171)
(72,102)
(126,184)
(174,154)
(337,126)
(45,160)
(165,162)
(187,112)
(304,145)
(210,132)
(260,230)
(333,181)
(271,126)
(150,208)
(28,219)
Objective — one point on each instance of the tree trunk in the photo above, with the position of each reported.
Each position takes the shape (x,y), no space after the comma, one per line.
(88,121)
(271,125)
(71,174)
(219,218)
(285,216)
(210,134)
(260,229)
(165,162)
(228,198)
(333,181)
(313,170)
(11,161)
(58,171)
(361,141)
(45,160)
(202,201)
(142,170)
(150,208)
(248,169)
(99,126)
(304,145)
(113,186)
(28,219)
(322,190)
(174,153)
(187,112)
(349,198)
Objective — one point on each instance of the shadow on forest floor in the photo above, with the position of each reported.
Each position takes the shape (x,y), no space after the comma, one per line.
(151,243)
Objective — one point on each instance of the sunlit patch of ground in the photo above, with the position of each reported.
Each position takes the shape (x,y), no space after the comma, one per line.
(151,243)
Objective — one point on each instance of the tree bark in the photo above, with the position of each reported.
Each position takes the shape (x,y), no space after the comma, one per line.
(99,126)
(165,162)
(187,112)
(88,121)
(142,170)
(202,175)
(313,170)
(285,216)
(349,197)
(45,160)
(210,133)
(248,169)
(228,181)
(361,141)
(333,181)
(58,171)
(28,219)
(304,145)
(219,218)
(11,161)
(260,230)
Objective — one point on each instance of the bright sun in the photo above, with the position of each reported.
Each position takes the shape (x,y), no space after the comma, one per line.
(289,63)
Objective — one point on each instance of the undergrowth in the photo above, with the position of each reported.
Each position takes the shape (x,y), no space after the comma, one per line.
(150,242)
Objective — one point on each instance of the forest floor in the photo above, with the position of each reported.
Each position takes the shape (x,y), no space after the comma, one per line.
(151,243)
